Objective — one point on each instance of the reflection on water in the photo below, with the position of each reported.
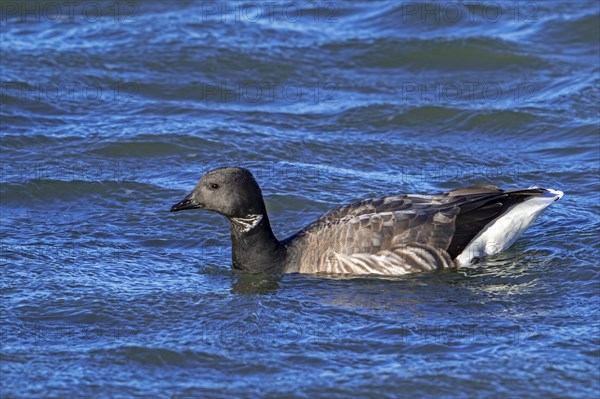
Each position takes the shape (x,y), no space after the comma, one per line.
(254,283)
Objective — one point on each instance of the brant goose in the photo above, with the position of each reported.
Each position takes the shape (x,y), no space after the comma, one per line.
(392,235)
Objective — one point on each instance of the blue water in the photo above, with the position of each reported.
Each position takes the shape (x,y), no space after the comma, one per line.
(110,113)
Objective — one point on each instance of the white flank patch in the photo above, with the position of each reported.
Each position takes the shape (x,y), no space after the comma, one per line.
(501,233)
(558,193)
(248,223)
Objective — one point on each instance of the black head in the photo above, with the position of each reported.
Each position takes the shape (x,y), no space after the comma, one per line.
(232,192)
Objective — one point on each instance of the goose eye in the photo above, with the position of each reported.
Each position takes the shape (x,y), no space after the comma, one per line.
(214,186)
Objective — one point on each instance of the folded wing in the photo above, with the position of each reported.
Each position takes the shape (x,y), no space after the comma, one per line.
(403,234)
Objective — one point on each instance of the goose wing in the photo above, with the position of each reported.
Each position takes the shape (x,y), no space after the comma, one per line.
(402,234)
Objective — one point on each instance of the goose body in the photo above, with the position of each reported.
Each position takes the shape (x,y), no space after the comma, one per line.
(392,235)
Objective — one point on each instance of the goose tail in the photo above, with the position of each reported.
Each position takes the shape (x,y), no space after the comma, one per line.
(504,230)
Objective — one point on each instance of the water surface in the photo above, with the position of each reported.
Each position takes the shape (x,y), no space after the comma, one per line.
(109,120)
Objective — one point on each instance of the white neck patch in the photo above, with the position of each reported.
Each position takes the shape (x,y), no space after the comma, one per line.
(247,223)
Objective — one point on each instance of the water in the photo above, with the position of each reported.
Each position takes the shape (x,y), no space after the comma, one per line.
(109,120)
